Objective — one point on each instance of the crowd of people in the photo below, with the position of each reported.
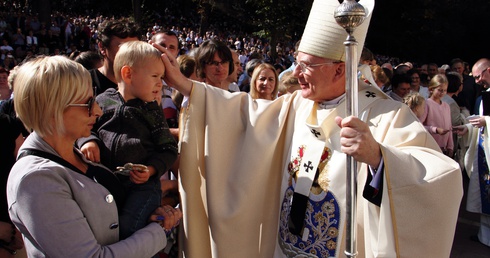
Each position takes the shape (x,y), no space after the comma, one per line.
(285,116)
(70,34)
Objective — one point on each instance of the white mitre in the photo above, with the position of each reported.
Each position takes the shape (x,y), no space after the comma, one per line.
(323,37)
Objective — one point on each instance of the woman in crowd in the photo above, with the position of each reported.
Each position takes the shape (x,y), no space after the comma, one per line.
(458,114)
(264,82)
(63,204)
(214,63)
(454,87)
(416,85)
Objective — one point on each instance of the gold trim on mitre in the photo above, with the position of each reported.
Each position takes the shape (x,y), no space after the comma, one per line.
(323,37)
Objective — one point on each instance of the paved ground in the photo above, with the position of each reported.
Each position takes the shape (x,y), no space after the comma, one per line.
(467,226)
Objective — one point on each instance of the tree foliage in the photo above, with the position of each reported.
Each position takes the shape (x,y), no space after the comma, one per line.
(430,30)
(277,20)
(415,30)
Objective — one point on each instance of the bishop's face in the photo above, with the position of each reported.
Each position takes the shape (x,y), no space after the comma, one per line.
(320,79)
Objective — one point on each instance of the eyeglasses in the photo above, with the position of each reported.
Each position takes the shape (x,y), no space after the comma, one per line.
(304,66)
(89,105)
(478,77)
(216,63)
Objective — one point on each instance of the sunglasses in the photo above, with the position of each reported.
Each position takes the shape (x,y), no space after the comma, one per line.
(89,105)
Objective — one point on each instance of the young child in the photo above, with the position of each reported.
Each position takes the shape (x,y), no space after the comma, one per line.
(437,117)
(288,83)
(416,103)
(132,129)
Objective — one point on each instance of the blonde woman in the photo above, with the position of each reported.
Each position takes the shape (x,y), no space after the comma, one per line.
(62,203)
(264,83)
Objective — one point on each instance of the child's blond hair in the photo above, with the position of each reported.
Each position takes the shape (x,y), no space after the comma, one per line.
(134,53)
(437,81)
(413,100)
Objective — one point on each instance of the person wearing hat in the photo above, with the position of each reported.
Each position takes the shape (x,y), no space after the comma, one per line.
(267,178)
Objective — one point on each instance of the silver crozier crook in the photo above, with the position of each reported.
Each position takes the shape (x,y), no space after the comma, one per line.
(350,15)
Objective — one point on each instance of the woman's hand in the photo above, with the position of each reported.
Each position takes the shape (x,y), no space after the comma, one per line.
(167,216)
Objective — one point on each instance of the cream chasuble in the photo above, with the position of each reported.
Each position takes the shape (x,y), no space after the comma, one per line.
(238,164)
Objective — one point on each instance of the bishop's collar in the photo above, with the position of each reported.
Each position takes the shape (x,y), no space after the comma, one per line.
(331,103)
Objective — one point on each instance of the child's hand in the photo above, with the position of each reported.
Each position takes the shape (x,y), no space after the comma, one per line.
(442,131)
(139,176)
(91,151)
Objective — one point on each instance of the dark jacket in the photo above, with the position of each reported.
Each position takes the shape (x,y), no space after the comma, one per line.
(132,131)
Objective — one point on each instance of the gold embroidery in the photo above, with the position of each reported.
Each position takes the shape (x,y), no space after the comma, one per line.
(321,181)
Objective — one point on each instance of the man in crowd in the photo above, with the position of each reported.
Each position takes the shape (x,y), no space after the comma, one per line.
(237,71)
(112,33)
(169,41)
(471,90)
(478,157)
(400,85)
(432,70)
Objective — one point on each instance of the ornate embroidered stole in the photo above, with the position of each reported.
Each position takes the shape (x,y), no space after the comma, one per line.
(316,142)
